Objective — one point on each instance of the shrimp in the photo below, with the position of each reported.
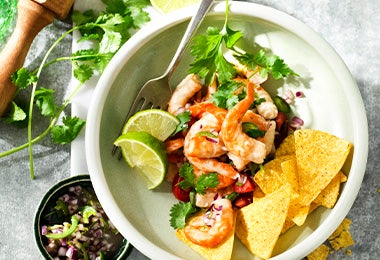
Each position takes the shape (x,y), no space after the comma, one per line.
(208,144)
(224,181)
(199,109)
(213,227)
(172,145)
(213,165)
(235,140)
(266,108)
(186,89)
(268,126)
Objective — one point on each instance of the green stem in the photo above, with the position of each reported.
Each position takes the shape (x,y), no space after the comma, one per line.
(30,144)
(47,130)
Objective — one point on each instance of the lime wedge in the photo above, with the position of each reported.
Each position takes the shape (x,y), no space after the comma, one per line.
(146,153)
(166,6)
(159,123)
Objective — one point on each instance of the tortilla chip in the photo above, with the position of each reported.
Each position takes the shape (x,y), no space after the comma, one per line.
(222,251)
(321,253)
(270,177)
(329,195)
(286,147)
(258,225)
(289,169)
(290,223)
(320,156)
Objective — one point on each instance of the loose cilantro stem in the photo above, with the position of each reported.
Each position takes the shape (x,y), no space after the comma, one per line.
(47,130)
(34,86)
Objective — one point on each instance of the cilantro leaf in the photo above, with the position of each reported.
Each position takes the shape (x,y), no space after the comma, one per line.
(15,114)
(225,96)
(184,119)
(205,181)
(179,213)
(63,134)
(22,78)
(268,63)
(45,101)
(186,172)
(82,72)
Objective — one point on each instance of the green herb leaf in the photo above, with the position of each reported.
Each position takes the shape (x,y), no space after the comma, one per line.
(63,134)
(268,64)
(15,114)
(187,173)
(205,181)
(22,78)
(225,96)
(179,214)
(45,101)
(184,119)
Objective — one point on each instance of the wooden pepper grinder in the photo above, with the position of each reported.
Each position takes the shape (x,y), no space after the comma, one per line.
(33,16)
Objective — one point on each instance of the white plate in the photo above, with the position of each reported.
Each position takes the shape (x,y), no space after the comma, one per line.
(333,104)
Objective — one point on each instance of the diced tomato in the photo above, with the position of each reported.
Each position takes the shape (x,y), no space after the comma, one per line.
(280,120)
(179,193)
(245,187)
(243,199)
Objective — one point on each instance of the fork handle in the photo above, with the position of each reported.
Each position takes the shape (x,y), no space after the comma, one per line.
(195,21)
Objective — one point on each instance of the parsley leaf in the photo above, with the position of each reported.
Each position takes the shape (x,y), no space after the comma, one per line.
(63,134)
(179,213)
(184,119)
(200,184)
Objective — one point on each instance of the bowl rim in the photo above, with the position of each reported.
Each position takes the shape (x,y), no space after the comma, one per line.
(51,193)
(266,13)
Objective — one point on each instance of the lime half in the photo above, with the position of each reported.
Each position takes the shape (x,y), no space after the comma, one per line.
(146,153)
(166,6)
(159,123)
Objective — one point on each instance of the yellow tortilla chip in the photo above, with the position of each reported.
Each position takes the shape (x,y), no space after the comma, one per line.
(222,251)
(289,169)
(258,225)
(270,177)
(321,253)
(290,223)
(329,195)
(286,147)
(320,156)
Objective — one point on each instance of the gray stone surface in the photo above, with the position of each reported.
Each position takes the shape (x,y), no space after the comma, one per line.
(351,27)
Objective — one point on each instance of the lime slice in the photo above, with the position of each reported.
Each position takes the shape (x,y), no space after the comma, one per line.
(159,123)
(147,154)
(166,6)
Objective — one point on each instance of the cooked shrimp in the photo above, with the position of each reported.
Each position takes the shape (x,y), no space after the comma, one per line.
(199,109)
(235,140)
(213,165)
(186,89)
(257,119)
(269,136)
(172,145)
(266,108)
(213,227)
(208,144)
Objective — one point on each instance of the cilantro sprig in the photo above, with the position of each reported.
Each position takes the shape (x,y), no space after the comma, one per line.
(108,31)
(182,210)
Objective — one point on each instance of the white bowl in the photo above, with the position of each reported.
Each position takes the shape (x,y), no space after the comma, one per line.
(333,104)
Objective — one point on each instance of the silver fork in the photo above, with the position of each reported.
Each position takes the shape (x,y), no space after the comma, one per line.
(156,92)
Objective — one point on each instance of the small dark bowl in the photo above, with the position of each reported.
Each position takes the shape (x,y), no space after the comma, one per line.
(49,201)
